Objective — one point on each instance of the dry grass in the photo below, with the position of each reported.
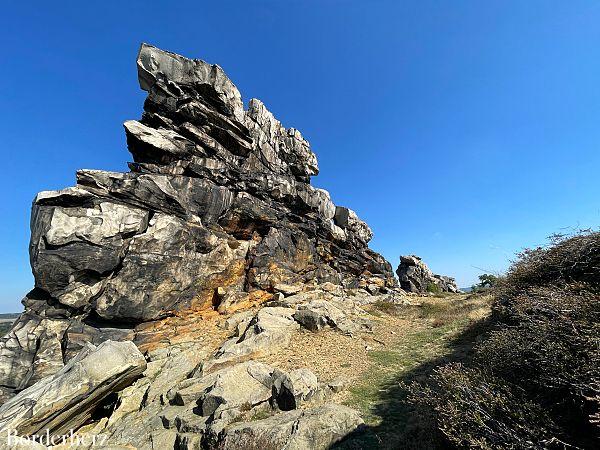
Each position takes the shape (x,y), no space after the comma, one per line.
(421,335)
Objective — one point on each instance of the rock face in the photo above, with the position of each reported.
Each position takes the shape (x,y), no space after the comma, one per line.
(66,400)
(313,428)
(416,277)
(218,207)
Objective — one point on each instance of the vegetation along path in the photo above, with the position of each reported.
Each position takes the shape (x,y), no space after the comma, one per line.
(412,341)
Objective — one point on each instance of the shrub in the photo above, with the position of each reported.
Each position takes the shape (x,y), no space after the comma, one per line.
(433,288)
(534,377)
(486,281)
(567,260)
(477,410)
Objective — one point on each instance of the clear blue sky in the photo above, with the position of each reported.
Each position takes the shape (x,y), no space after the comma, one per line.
(461,131)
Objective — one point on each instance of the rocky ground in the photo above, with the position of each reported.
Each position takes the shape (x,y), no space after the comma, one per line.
(272,376)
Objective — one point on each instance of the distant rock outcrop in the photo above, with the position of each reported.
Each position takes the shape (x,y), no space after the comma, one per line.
(217,210)
(416,277)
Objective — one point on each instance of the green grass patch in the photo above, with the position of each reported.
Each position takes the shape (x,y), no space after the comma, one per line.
(380,396)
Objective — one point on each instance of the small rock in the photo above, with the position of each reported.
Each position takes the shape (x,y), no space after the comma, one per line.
(288,289)
(294,389)
(338,384)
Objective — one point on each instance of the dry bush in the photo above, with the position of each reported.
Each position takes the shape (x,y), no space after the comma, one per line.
(535,376)
(475,410)
(386,307)
(567,260)
(549,345)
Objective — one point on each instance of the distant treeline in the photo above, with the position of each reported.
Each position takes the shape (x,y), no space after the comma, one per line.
(9,316)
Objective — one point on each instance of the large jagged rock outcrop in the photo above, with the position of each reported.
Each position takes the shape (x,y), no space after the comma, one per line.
(416,277)
(217,208)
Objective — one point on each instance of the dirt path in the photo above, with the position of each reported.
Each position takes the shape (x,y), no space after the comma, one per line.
(404,339)
(416,339)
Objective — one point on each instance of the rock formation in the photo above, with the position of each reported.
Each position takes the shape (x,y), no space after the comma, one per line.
(216,215)
(66,400)
(416,277)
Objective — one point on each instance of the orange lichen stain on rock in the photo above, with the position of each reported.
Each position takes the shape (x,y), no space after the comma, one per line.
(252,300)
(200,322)
(184,326)
(233,276)
(194,325)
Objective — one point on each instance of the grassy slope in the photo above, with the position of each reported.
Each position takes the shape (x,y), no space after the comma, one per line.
(435,335)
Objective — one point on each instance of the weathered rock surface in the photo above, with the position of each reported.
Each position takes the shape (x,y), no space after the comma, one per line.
(270,329)
(66,400)
(191,397)
(198,410)
(313,428)
(416,277)
(218,206)
(293,389)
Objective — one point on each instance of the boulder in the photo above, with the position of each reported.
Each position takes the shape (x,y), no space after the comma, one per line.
(269,330)
(313,428)
(67,399)
(244,385)
(208,403)
(293,389)
(218,206)
(319,313)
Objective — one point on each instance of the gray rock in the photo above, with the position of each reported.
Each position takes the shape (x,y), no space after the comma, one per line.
(167,269)
(142,412)
(338,384)
(66,400)
(280,150)
(72,246)
(209,403)
(319,313)
(19,443)
(416,277)
(314,428)
(42,339)
(163,439)
(288,289)
(217,197)
(345,218)
(156,65)
(293,389)
(269,330)
(165,146)
(243,386)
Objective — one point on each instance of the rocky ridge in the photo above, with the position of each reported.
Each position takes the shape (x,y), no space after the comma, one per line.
(216,227)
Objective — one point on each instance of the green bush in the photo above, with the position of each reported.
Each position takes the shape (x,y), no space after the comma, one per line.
(486,281)
(433,288)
